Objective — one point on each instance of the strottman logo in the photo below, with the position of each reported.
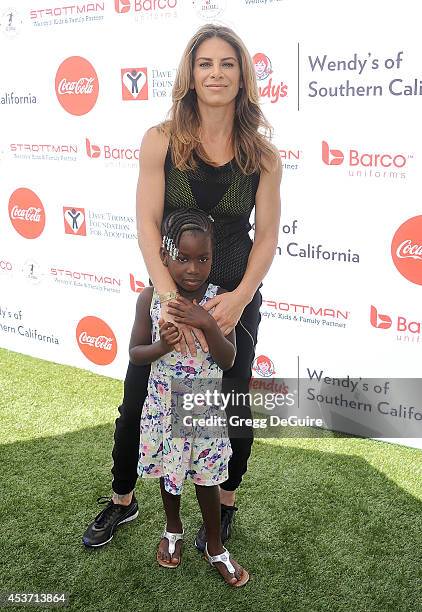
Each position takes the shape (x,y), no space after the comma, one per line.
(77,85)
(380,321)
(134,83)
(96,340)
(26,213)
(263,366)
(406,249)
(74,221)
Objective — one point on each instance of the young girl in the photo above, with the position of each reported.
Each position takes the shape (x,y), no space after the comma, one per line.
(187,253)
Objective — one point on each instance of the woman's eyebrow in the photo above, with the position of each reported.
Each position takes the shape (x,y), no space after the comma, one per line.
(209,59)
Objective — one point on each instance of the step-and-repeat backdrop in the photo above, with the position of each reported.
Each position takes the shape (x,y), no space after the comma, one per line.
(81,82)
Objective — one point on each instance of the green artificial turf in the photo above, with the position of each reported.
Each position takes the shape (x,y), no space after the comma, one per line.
(325,524)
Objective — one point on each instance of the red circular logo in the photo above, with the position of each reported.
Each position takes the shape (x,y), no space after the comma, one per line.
(406,249)
(96,340)
(77,85)
(26,213)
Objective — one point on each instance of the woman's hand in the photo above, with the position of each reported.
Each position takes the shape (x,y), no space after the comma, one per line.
(228,310)
(187,333)
(189,313)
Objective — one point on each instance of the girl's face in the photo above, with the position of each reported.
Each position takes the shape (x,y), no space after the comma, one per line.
(192,266)
(216,73)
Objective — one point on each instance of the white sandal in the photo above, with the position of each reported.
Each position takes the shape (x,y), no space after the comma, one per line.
(224,558)
(172,539)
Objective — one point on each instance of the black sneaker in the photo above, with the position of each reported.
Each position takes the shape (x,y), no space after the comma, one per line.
(102,528)
(227,516)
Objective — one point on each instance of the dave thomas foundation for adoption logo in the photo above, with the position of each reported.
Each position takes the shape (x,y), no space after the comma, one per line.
(26,213)
(134,83)
(406,249)
(96,340)
(77,85)
(74,221)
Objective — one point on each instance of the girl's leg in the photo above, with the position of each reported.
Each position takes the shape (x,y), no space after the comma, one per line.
(171,505)
(209,502)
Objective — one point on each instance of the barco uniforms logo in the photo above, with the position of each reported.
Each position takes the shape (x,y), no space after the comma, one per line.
(146,6)
(407,330)
(363,164)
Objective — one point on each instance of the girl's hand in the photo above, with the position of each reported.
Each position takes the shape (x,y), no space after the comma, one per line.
(228,310)
(187,334)
(169,335)
(189,313)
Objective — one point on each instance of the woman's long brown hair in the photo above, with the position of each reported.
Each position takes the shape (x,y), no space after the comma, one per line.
(251,131)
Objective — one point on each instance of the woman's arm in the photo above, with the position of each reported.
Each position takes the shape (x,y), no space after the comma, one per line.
(141,351)
(149,214)
(230,306)
(267,221)
(150,206)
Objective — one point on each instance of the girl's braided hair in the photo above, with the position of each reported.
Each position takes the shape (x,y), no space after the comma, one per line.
(179,221)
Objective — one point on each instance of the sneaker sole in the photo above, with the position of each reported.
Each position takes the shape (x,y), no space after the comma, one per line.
(198,547)
(126,520)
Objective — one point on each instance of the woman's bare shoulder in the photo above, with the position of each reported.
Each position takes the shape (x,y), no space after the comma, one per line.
(155,142)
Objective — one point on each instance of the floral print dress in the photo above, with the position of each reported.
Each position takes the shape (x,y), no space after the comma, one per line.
(201,453)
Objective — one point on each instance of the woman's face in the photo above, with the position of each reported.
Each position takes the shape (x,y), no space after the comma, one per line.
(216,73)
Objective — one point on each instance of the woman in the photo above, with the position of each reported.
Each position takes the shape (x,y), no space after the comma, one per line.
(210,154)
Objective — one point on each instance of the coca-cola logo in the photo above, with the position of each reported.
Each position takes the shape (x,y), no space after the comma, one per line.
(409,250)
(77,85)
(26,213)
(85,85)
(406,249)
(96,340)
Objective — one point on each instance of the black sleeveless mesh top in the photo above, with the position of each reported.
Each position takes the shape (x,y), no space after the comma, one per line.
(226,194)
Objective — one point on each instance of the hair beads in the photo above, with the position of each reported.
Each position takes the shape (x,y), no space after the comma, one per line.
(179,221)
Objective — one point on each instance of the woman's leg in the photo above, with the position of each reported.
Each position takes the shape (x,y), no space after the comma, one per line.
(123,507)
(171,505)
(236,380)
(127,433)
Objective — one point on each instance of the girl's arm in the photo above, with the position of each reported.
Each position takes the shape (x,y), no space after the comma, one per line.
(222,349)
(141,351)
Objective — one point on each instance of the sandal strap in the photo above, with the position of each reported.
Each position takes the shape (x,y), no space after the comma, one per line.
(224,557)
(172,539)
